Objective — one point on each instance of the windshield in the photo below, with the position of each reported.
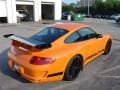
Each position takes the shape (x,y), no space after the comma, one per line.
(49,34)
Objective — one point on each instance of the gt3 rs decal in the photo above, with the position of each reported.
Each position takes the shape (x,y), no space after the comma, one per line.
(94,54)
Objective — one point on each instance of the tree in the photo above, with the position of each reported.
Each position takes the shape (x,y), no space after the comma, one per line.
(68,7)
(106,8)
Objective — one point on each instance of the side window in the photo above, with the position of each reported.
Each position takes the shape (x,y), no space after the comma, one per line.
(74,37)
(87,33)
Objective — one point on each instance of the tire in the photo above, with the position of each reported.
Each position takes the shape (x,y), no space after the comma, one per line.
(108,47)
(73,68)
(117,21)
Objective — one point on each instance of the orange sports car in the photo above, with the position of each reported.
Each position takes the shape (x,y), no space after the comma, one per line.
(57,52)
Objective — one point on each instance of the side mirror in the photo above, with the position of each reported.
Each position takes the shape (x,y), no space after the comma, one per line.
(99,36)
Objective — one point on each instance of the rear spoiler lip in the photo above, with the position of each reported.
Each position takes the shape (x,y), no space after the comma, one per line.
(7,35)
(34,43)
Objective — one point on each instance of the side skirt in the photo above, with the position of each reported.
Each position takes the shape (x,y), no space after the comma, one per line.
(94,56)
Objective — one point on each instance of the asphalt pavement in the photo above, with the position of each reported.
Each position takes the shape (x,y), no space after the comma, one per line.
(101,74)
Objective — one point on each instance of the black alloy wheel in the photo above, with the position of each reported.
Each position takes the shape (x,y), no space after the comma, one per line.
(73,69)
(108,47)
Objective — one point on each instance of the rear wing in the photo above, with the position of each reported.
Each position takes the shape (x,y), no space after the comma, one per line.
(28,41)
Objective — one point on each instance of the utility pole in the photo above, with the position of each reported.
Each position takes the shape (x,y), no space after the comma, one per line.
(84,3)
(77,1)
(88,7)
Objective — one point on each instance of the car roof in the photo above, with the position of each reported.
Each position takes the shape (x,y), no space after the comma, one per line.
(69,26)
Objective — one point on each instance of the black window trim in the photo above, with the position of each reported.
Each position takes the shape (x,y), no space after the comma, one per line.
(79,35)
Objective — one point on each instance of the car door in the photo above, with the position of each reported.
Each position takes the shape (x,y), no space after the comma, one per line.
(93,43)
(81,43)
(86,42)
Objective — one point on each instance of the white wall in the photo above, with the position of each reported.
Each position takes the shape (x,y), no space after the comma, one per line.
(58,9)
(3,8)
(11,11)
(37,10)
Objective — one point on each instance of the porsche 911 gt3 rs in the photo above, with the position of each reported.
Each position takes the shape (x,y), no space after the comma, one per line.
(57,52)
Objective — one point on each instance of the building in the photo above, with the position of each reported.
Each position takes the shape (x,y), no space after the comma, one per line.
(37,9)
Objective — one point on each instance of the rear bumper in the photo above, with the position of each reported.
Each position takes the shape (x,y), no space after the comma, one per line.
(33,74)
(29,75)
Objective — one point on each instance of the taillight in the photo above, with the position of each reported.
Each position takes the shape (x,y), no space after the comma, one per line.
(41,60)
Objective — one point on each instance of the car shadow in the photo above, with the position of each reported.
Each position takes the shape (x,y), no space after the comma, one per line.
(5,69)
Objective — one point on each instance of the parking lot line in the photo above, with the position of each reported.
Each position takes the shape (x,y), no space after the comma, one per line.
(114,77)
(110,69)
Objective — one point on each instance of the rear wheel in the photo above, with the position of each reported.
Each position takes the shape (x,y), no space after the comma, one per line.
(73,68)
(118,21)
(108,47)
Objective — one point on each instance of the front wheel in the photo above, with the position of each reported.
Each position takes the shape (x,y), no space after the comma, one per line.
(108,47)
(73,68)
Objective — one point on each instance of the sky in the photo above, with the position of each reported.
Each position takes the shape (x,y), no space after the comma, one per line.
(69,1)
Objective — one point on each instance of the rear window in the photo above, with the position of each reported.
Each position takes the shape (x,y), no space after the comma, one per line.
(49,34)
